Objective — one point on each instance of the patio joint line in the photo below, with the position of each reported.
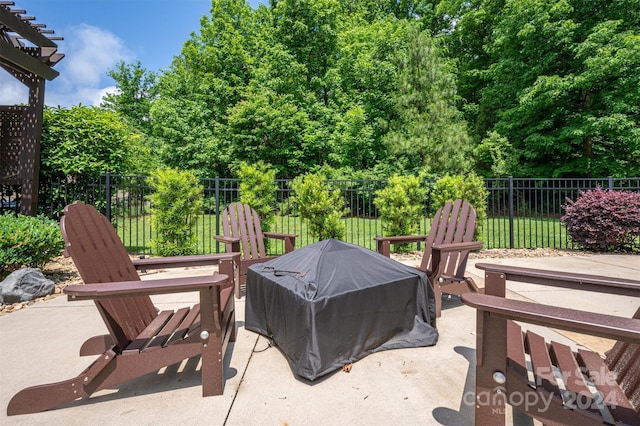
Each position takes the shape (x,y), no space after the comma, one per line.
(244,372)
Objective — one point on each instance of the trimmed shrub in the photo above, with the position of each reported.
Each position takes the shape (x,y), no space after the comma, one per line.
(400,205)
(318,205)
(175,205)
(27,241)
(258,189)
(604,220)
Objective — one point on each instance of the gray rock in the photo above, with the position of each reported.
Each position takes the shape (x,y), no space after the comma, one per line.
(24,285)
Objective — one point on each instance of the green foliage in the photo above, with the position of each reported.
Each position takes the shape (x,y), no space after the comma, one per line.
(367,70)
(400,205)
(136,91)
(176,201)
(561,86)
(27,241)
(82,141)
(602,220)
(494,156)
(308,29)
(530,88)
(268,127)
(430,131)
(353,142)
(258,189)
(203,82)
(470,188)
(318,205)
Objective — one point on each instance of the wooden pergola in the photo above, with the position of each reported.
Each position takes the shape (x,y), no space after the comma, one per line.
(27,52)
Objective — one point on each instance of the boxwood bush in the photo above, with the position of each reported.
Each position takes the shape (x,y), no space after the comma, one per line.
(400,205)
(604,220)
(27,241)
(320,206)
(176,202)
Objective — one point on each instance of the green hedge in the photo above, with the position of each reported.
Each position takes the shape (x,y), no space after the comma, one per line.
(27,241)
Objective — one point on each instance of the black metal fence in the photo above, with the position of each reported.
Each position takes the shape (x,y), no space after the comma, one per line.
(521,212)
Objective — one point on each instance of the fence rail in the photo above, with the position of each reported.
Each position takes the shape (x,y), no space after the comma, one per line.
(521,212)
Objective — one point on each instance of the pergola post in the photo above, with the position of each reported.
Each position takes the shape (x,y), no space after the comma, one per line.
(21,126)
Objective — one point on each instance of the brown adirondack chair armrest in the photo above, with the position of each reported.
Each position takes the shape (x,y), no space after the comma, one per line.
(147,287)
(226,240)
(233,241)
(279,236)
(445,248)
(182,261)
(598,283)
(289,239)
(384,243)
(591,323)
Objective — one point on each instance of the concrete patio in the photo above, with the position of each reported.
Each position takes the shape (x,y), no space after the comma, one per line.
(425,386)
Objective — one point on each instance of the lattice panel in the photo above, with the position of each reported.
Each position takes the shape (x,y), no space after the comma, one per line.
(10,143)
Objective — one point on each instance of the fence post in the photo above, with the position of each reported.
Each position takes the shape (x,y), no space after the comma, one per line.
(108,198)
(217,195)
(511,214)
(610,179)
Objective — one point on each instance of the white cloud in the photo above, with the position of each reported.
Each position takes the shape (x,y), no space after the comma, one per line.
(89,54)
(11,90)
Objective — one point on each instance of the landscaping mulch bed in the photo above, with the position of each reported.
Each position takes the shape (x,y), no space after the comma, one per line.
(62,271)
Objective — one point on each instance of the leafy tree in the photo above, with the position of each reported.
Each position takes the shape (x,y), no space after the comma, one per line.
(429,131)
(208,77)
(367,75)
(268,127)
(494,157)
(308,29)
(562,84)
(353,143)
(468,43)
(185,126)
(469,187)
(135,94)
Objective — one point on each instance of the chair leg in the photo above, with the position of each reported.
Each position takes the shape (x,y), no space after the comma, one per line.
(44,397)
(212,367)
(438,295)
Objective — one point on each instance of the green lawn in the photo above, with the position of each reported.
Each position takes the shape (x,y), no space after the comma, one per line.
(527,233)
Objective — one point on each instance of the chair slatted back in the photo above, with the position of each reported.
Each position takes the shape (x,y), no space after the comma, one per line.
(455,222)
(241,221)
(100,256)
(624,361)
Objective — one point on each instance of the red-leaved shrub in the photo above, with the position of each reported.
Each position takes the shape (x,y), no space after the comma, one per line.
(603,220)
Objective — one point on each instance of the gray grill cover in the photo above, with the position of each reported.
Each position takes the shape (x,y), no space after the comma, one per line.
(331,303)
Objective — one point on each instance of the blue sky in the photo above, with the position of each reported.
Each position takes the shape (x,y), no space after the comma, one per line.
(100,33)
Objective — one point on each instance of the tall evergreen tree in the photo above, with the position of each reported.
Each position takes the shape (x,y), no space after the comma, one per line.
(429,132)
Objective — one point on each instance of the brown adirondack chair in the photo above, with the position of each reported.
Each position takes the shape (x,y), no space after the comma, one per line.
(518,367)
(242,233)
(141,339)
(446,249)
